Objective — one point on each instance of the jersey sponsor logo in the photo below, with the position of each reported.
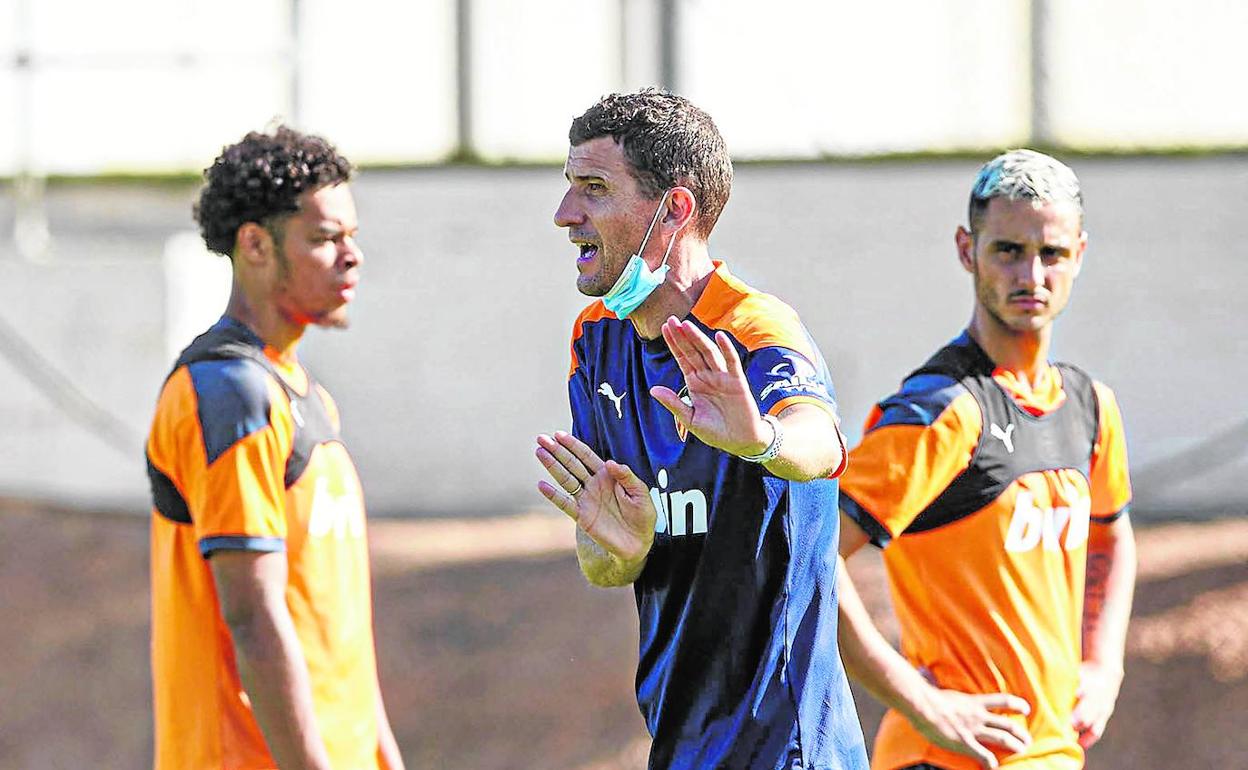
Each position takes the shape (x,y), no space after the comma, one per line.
(1032,525)
(794,373)
(1006,435)
(605,389)
(680,512)
(336,510)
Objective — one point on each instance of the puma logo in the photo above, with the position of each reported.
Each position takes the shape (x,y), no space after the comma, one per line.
(1004,435)
(606,390)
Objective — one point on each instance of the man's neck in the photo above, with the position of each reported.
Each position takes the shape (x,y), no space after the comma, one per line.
(263,318)
(691,269)
(1026,353)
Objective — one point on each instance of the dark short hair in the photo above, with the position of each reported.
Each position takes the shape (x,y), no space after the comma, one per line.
(667,142)
(260,179)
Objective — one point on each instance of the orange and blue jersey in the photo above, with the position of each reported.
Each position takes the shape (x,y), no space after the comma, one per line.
(981,491)
(244,454)
(738,663)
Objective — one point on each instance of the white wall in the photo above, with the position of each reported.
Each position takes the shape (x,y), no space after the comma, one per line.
(458,351)
(163,84)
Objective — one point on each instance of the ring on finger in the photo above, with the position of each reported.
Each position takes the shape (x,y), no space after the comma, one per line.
(579,487)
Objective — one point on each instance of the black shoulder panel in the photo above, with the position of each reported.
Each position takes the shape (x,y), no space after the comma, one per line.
(165,496)
(1013,442)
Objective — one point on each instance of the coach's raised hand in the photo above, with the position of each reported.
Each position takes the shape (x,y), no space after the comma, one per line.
(612,508)
(722,411)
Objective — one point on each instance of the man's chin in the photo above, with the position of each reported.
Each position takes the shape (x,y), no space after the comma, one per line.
(590,286)
(337,319)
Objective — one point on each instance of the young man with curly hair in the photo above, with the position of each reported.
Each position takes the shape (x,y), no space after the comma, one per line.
(262,638)
(702,458)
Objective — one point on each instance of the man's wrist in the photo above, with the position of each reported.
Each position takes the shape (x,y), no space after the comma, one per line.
(635,560)
(765,452)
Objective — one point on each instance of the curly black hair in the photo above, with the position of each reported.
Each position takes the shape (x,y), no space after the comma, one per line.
(667,141)
(260,179)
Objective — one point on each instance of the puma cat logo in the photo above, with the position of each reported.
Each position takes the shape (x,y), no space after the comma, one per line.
(606,390)
(1004,435)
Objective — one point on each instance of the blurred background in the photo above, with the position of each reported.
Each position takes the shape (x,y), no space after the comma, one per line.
(857,130)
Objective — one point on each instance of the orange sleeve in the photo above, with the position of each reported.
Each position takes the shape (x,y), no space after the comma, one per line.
(901,466)
(1110,479)
(224,441)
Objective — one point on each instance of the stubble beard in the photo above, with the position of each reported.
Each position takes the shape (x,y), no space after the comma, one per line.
(598,283)
(996,309)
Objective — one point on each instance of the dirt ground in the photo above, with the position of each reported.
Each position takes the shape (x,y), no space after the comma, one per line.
(496,656)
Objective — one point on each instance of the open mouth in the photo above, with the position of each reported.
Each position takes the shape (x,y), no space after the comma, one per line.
(588,252)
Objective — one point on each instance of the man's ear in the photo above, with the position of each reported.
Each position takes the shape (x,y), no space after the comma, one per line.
(965,241)
(682,207)
(1082,247)
(253,243)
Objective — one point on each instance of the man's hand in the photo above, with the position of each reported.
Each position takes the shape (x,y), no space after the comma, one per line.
(605,499)
(969,723)
(722,412)
(1094,701)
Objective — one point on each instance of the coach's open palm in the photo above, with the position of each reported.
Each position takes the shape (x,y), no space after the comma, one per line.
(722,411)
(605,499)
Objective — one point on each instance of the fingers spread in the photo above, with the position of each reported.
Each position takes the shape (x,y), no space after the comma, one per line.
(580,450)
(671,401)
(686,358)
(558,498)
(562,457)
(1005,724)
(627,480)
(567,479)
(1003,739)
(982,755)
(694,346)
(1004,701)
(729,353)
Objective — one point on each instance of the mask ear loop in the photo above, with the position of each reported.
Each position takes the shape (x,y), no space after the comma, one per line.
(670,244)
(645,239)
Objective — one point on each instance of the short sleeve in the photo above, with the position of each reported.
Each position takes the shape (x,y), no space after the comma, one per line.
(580,399)
(1109,476)
(236,489)
(916,443)
(780,377)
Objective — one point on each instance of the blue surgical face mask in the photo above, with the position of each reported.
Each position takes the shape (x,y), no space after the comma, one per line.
(637,281)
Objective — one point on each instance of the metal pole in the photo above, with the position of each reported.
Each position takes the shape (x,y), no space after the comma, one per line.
(31,235)
(621,20)
(1042,134)
(465,146)
(669,29)
(296,84)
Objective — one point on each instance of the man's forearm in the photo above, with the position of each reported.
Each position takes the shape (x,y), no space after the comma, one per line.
(1109,588)
(869,658)
(812,447)
(275,676)
(601,568)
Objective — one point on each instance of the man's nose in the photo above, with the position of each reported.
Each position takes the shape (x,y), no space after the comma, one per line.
(567,214)
(1031,272)
(352,254)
